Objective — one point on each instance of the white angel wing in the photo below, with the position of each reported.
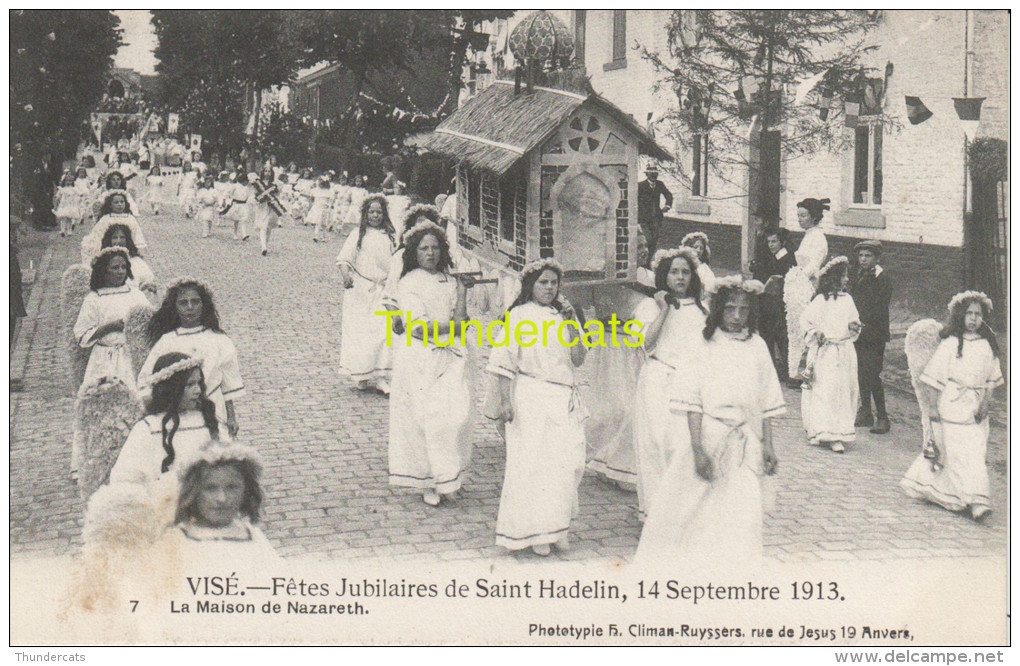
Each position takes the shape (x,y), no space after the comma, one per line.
(74,287)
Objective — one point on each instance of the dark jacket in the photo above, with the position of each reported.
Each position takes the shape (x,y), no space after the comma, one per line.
(649,207)
(871,295)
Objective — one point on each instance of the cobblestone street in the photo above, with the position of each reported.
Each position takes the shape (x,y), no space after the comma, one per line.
(325,445)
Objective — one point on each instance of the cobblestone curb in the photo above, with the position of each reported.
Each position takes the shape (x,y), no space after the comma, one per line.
(26,326)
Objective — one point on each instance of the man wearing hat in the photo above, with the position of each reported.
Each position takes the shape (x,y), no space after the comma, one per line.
(650,209)
(872,291)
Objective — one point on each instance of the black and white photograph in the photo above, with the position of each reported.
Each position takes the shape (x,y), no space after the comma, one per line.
(500,327)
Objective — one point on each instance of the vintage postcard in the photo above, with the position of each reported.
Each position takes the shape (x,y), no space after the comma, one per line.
(510,327)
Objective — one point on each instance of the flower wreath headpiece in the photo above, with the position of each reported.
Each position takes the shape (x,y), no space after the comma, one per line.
(375,196)
(835,261)
(113,249)
(965,296)
(693,236)
(422,226)
(174,284)
(540,265)
(169,371)
(216,451)
(111,193)
(738,282)
(428,210)
(686,252)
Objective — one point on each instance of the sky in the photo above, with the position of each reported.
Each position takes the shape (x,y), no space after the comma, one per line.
(139,41)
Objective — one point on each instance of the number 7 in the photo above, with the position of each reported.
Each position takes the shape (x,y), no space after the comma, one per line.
(134,604)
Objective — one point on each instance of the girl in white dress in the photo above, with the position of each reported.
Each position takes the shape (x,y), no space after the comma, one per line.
(240,210)
(100,324)
(699,243)
(677,318)
(322,197)
(959,381)
(208,202)
(119,235)
(708,509)
(116,209)
(154,189)
(266,215)
(65,204)
(179,420)
(187,322)
(542,409)
(187,190)
(801,281)
(830,325)
(86,196)
(364,263)
(218,512)
(430,399)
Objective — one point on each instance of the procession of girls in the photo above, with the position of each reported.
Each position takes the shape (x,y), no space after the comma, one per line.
(704,390)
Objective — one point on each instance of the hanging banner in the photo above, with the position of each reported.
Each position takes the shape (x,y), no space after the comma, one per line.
(968,110)
(196,143)
(917,112)
(172,122)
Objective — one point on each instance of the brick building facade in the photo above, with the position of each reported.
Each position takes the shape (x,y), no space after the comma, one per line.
(906,185)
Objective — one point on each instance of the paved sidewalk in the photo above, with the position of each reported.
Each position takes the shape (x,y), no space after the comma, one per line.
(325,444)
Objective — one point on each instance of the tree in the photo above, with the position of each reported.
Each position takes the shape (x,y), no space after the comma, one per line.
(59,61)
(214,64)
(400,71)
(721,63)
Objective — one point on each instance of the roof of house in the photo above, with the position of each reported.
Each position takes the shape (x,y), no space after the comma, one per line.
(497,127)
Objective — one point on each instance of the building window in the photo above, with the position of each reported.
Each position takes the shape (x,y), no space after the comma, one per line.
(579,26)
(699,166)
(474,179)
(868,165)
(619,34)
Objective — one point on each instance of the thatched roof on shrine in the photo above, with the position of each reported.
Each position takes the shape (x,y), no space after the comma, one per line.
(497,127)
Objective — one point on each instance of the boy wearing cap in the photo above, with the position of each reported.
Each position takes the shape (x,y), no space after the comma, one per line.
(872,291)
(650,211)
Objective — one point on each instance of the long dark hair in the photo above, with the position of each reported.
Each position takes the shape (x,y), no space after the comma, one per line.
(387,224)
(191,486)
(166,400)
(98,278)
(129,243)
(166,318)
(955,326)
(411,251)
(830,283)
(717,306)
(107,206)
(528,288)
(694,287)
(109,176)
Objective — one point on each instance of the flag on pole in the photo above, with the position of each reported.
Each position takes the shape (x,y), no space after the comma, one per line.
(97,127)
(968,109)
(250,129)
(851,110)
(917,112)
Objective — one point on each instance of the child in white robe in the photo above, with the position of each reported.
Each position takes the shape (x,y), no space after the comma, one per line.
(430,399)
(959,381)
(100,323)
(545,449)
(830,325)
(677,319)
(187,322)
(364,263)
(708,510)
